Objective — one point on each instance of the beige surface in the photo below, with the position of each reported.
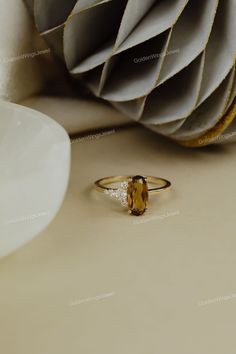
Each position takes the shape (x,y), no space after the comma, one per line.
(77,115)
(100,281)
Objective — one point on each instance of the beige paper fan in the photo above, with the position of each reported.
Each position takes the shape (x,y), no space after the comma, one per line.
(169,64)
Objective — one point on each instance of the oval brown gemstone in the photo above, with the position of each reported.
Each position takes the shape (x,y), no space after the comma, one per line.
(137,195)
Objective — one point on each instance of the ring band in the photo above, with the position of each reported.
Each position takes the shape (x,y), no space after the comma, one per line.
(133,191)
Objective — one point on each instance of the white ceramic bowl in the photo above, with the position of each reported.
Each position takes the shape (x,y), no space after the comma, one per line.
(34,173)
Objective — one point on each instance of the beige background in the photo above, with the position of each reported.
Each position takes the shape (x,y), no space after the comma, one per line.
(100,281)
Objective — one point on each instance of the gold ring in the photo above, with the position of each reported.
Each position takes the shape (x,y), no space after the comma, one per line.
(132,191)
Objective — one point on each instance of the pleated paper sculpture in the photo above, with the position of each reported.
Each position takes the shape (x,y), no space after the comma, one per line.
(169,64)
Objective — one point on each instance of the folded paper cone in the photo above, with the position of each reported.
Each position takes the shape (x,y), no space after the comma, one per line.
(168,64)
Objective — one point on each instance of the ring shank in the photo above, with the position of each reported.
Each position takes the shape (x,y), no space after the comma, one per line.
(102,183)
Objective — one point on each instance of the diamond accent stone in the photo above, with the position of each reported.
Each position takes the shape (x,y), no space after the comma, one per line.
(120,194)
